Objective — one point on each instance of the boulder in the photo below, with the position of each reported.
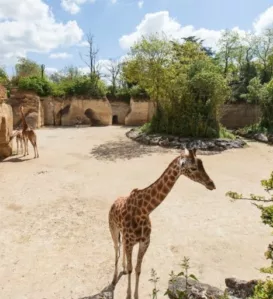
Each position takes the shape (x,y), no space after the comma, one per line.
(270,138)
(6,124)
(261,137)
(195,289)
(240,289)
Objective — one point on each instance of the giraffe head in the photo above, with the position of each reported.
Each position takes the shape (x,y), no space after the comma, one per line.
(192,167)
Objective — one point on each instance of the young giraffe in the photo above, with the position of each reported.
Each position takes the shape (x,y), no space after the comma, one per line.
(129,216)
(28,134)
(19,139)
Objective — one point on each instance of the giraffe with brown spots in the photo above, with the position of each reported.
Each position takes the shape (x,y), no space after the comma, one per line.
(28,135)
(129,216)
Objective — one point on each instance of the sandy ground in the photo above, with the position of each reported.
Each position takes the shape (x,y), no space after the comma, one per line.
(54,237)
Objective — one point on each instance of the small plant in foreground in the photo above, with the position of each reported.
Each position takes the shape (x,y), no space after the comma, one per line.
(185,265)
(263,290)
(154,280)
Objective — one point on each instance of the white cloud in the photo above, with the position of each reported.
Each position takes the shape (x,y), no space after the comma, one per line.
(264,21)
(51,70)
(61,55)
(140,3)
(73,6)
(83,44)
(160,22)
(114,1)
(30,26)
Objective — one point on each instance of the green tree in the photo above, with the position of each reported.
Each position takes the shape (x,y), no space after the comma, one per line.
(228,48)
(187,85)
(3,76)
(263,46)
(150,66)
(27,68)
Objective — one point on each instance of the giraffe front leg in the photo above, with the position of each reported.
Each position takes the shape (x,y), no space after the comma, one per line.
(17,142)
(124,266)
(143,246)
(129,252)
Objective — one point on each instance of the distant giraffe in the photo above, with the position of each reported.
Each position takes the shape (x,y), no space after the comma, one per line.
(129,216)
(28,134)
(19,139)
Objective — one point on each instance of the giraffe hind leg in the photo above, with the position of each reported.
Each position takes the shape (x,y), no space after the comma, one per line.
(116,239)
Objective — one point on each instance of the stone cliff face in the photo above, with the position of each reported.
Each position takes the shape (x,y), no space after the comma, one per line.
(119,112)
(73,111)
(32,106)
(6,124)
(140,112)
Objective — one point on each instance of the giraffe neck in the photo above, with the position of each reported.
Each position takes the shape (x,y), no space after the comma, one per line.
(25,126)
(159,190)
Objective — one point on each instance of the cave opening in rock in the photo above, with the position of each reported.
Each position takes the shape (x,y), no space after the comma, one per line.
(115,120)
(62,112)
(91,114)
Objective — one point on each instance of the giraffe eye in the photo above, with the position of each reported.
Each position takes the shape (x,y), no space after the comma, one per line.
(193,168)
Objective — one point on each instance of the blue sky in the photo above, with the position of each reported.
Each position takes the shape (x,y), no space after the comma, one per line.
(110,20)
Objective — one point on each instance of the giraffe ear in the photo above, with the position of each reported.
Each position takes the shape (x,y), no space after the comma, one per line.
(186,152)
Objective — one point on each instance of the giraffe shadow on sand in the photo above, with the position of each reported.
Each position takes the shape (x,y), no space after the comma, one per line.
(107,292)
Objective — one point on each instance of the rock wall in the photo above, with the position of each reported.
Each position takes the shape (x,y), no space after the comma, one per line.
(32,105)
(6,124)
(79,110)
(140,112)
(72,111)
(3,93)
(235,116)
(119,112)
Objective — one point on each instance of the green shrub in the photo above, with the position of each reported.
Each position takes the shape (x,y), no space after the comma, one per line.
(41,86)
(137,92)
(82,86)
(263,290)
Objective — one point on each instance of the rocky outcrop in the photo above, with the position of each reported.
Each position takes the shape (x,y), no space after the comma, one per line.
(195,289)
(261,137)
(119,112)
(212,145)
(3,93)
(6,124)
(32,106)
(140,112)
(240,289)
(236,289)
(73,111)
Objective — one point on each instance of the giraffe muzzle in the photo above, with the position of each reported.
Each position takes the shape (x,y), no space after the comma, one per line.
(211,185)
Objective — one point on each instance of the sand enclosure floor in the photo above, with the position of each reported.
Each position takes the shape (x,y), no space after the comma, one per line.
(54,236)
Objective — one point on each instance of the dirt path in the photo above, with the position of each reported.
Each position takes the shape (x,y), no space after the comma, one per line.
(54,237)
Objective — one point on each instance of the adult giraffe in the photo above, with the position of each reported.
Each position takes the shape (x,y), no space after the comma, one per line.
(129,216)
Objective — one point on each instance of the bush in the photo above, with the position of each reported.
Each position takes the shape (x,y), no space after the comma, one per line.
(80,86)
(137,92)
(41,86)
(264,290)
